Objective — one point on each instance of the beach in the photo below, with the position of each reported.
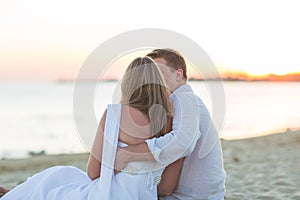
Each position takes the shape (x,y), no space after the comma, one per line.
(266,167)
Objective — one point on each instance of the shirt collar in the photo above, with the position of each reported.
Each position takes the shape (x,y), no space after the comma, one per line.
(182,89)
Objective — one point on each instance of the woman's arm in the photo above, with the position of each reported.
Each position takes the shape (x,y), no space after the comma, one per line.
(170,178)
(94,163)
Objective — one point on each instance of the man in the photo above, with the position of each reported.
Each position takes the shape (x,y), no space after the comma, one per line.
(202,174)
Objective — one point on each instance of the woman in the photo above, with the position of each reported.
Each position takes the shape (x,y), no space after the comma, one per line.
(145,109)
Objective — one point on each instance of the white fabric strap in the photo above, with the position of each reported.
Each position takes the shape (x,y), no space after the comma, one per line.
(110,143)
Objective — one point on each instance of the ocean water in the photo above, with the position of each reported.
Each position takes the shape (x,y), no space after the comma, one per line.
(36,116)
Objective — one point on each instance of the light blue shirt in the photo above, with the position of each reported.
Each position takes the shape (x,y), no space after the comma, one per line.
(194,137)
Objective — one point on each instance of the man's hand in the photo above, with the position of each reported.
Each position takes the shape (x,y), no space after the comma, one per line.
(121,159)
(132,153)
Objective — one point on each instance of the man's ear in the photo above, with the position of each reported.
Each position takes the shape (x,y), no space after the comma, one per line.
(179,76)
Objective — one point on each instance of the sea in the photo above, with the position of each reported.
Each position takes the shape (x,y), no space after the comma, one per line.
(38,117)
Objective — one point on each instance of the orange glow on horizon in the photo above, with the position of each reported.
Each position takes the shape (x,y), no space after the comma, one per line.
(239,75)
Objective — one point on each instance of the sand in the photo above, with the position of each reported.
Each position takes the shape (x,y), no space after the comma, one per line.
(265,167)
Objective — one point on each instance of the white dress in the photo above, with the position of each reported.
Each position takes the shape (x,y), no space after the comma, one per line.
(67,182)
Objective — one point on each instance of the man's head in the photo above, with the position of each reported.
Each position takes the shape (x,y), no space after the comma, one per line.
(172,65)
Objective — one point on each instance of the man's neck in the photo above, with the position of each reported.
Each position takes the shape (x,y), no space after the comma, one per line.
(181,83)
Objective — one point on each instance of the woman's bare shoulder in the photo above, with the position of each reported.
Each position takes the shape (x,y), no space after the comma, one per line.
(134,116)
(134,125)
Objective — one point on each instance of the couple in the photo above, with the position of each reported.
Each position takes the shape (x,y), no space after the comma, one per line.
(159,135)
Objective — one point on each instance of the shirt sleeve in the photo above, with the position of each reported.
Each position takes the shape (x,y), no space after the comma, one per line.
(185,131)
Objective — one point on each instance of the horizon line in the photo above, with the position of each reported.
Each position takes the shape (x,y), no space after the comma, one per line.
(226,76)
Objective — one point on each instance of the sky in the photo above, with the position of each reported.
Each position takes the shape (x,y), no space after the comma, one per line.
(48,40)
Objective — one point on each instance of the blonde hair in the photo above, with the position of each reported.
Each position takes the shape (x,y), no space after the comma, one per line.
(144,88)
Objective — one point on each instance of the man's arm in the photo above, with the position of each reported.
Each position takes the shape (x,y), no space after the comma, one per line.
(172,146)
(137,152)
(181,141)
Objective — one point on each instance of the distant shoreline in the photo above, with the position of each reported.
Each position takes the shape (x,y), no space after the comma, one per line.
(190,80)
(231,76)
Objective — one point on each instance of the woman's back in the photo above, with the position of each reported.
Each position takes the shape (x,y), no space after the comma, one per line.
(134,126)
(139,179)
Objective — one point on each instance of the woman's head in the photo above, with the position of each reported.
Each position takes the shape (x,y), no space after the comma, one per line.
(144,88)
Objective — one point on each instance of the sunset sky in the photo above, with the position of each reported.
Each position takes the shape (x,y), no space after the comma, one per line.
(47,40)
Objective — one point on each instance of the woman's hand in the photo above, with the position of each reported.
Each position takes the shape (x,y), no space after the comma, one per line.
(170,178)
(3,191)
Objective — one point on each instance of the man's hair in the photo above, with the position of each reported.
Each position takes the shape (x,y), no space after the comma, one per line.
(174,59)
